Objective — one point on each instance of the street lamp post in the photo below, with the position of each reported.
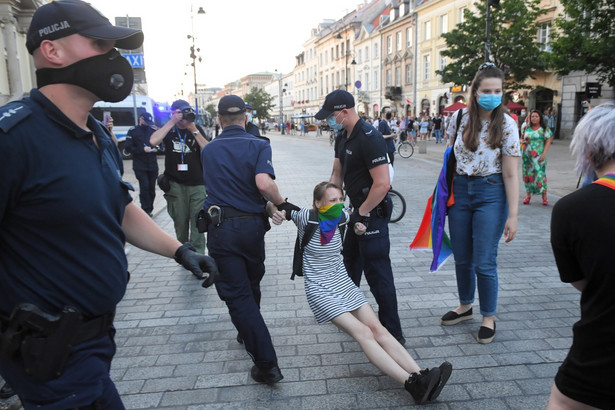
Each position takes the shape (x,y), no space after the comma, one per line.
(347,54)
(281,92)
(193,56)
(496,4)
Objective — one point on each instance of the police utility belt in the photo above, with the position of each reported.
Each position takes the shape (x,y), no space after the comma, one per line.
(215,215)
(44,341)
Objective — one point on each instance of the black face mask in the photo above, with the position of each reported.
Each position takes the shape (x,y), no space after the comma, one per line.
(107,76)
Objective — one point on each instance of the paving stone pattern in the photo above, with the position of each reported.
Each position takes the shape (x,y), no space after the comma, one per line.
(177,347)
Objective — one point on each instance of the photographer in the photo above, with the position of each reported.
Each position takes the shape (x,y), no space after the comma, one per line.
(182,181)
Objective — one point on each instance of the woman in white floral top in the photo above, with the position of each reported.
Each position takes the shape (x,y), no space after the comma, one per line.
(486,192)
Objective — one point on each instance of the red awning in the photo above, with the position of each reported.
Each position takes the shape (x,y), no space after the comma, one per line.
(512,106)
(452,108)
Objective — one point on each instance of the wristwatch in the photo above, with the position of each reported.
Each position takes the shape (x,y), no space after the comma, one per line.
(195,133)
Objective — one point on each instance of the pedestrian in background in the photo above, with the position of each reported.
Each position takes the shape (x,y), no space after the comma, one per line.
(361,164)
(486,193)
(65,215)
(437,128)
(239,176)
(251,128)
(385,130)
(536,139)
(183,140)
(144,160)
(582,227)
(333,296)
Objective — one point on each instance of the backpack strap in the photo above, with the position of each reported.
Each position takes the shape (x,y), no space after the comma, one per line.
(460,114)
(308,232)
(300,245)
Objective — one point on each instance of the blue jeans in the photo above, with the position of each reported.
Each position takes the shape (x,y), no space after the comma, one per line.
(476,223)
(438,135)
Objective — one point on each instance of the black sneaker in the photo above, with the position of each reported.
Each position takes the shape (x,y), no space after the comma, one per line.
(445,372)
(420,385)
(267,376)
(452,318)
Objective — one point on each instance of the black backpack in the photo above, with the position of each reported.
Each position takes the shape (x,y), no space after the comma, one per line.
(300,245)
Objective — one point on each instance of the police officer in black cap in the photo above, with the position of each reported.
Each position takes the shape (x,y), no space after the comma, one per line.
(65,215)
(239,178)
(144,161)
(361,164)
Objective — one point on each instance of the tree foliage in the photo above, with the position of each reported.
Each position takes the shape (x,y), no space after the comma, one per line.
(585,39)
(212,111)
(513,38)
(261,101)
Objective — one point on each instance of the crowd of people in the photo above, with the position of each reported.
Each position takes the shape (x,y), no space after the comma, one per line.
(58,298)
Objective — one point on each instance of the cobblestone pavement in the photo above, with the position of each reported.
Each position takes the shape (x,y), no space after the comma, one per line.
(177,347)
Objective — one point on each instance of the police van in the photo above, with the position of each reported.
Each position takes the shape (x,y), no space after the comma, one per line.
(123,114)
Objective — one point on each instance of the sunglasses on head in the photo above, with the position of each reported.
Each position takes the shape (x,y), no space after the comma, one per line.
(484,66)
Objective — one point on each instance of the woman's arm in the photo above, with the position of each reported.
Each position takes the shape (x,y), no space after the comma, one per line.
(511,185)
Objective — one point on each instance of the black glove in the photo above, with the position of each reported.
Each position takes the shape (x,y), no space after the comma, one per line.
(287,206)
(196,263)
(356,217)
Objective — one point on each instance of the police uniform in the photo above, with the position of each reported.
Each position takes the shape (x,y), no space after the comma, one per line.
(230,163)
(145,164)
(183,168)
(362,150)
(62,201)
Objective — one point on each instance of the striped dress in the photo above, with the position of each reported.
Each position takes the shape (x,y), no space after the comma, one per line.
(328,288)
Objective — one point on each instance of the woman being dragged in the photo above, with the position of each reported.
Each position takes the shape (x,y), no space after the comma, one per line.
(333,296)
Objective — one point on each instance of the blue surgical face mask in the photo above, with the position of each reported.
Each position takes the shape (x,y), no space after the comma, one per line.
(490,101)
(332,122)
(249,117)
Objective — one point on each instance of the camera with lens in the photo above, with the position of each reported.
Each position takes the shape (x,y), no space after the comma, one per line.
(188,114)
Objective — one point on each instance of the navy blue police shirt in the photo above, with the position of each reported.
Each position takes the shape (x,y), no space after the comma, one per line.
(385,129)
(363,150)
(231,162)
(136,140)
(62,201)
(180,147)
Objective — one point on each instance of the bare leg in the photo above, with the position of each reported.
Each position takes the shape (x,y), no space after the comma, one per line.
(558,401)
(376,353)
(395,349)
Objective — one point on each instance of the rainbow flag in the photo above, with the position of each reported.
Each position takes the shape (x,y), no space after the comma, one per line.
(608,180)
(431,234)
(328,218)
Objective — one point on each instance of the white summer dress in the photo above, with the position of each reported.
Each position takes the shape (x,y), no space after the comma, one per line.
(328,288)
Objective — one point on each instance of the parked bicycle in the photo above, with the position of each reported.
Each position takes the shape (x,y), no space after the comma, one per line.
(399,205)
(405,149)
(397,200)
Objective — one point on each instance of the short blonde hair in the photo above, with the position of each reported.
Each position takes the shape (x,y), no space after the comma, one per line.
(593,141)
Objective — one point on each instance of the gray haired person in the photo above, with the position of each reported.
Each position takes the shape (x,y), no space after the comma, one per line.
(582,239)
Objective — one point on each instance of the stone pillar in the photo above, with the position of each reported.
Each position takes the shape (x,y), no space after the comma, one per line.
(422,146)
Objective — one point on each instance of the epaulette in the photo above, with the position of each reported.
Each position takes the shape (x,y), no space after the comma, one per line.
(13,113)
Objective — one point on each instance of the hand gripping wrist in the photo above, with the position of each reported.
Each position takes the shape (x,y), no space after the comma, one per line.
(196,263)
(356,217)
(287,207)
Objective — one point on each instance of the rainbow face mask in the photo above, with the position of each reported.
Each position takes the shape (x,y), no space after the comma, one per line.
(328,218)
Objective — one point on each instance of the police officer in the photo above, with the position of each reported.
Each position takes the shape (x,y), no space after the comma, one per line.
(144,162)
(65,214)
(239,175)
(361,164)
(183,140)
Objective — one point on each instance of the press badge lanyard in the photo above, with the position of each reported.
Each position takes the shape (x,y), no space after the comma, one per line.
(182,140)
